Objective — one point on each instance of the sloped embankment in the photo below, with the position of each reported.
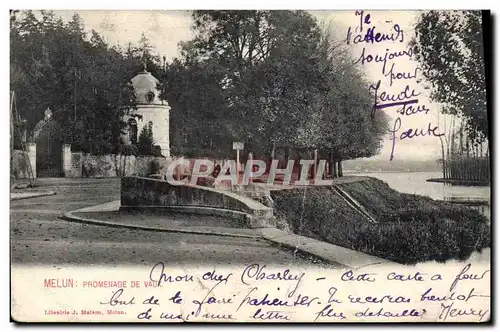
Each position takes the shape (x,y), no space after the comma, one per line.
(410,228)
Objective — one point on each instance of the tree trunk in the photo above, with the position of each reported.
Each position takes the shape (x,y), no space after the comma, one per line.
(461,140)
(124,165)
(329,171)
(334,168)
(287,154)
(467,145)
(273,151)
(315,166)
(448,170)
(443,157)
(340,168)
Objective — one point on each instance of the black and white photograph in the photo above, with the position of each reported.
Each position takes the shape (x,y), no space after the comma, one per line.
(250,166)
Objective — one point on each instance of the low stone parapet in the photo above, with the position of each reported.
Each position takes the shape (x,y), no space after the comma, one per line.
(139,192)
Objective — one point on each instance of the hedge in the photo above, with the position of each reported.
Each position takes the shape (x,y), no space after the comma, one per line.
(410,228)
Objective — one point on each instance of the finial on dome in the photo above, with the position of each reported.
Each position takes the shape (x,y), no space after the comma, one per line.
(144,62)
(48,113)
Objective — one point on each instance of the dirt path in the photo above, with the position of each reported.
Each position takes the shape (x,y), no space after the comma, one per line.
(38,236)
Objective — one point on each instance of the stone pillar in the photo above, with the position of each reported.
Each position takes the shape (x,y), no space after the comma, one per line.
(164,142)
(159,116)
(31,147)
(66,160)
(250,160)
(161,128)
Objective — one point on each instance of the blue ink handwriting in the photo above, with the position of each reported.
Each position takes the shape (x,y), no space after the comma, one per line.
(116,300)
(151,300)
(383,299)
(350,276)
(389,314)
(300,300)
(159,268)
(207,299)
(402,98)
(215,277)
(396,34)
(270,315)
(417,276)
(427,296)
(176,299)
(447,310)
(332,291)
(256,272)
(389,55)
(464,276)
(328,311)
(410,133)
(393,75)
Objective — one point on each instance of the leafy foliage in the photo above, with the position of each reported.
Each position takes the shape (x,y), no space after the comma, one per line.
(269,79)
(449,48)
(410,228)
(84,81)
(341,123)
(146,143)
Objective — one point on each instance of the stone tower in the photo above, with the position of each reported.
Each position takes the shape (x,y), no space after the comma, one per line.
(151,110)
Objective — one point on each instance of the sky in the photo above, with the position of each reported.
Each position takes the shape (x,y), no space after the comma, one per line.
(166,29)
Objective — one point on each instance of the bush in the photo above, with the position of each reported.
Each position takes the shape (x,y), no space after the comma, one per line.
(410,228)
(157,151)
(155,166)
(146,143)
(128,150)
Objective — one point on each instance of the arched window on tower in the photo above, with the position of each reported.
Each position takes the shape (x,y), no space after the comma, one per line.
(150,97)
(132,131)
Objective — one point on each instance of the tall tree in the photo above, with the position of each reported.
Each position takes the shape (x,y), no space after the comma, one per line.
(199,119)
(341,126)
(270,79)
(449,48)
(146,142)
(85,82)
(266,60)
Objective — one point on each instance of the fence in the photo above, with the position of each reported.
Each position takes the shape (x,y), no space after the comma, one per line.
(467,169)
(88,165)
(19,164)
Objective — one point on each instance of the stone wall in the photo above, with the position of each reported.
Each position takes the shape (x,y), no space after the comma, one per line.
(78,164)
(19,165)
(145,192)
(112,165)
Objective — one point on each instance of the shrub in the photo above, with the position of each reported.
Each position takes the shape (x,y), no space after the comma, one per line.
(128,150)
(157,151)
(155,166)
(146,143)
(410,228)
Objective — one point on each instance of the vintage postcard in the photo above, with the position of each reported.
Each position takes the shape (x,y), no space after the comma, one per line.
(273,166)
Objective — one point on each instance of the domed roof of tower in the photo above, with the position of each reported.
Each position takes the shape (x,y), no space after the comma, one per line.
(47,126)
(145,88)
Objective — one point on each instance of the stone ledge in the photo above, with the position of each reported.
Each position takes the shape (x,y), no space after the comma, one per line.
(146,192)
(25,195)
(346,258)
(334,254)
(69,216)
(197,210)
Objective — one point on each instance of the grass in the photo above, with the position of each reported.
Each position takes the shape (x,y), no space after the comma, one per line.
(410,228)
